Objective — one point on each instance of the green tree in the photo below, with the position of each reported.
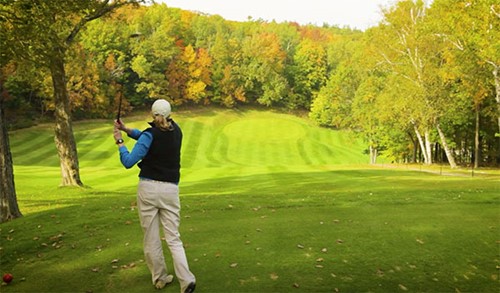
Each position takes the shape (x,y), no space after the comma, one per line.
(309,72)
(472,54)
(262,66)
(156,47)
(42,32)
(408,49)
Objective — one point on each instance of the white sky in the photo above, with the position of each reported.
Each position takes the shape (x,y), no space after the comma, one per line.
(359,14)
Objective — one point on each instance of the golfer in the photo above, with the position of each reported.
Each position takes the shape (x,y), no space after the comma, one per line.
(158,149)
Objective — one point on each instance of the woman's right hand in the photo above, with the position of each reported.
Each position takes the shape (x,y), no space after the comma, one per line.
(120,125)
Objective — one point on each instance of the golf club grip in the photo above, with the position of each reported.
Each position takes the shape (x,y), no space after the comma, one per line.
(119,110)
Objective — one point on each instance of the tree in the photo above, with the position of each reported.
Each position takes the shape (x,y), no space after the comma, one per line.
(8,201)
(42,32)
(9,208)
(155,51)
(309,71)
(472,54)
(413,54)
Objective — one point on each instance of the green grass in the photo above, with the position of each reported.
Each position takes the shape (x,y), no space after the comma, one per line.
(270,203)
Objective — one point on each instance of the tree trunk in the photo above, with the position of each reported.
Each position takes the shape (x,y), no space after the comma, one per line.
(8,201)
(476,141)
(428,148)
(497,87)
(373,155)
(64,138)
(449,154)
(414,151)
(421,142)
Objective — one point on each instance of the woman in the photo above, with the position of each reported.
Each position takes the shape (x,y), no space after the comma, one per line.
(158,149)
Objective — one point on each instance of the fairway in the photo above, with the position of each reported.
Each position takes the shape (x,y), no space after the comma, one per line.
(270,203)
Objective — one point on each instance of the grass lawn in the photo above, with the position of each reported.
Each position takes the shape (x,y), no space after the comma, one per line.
(270,203)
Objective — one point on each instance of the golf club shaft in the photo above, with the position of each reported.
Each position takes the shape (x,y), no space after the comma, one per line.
(119,108)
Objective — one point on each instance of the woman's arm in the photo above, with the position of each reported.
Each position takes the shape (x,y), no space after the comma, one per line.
(141,148)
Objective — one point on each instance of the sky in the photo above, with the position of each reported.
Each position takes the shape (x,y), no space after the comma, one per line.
(359,14)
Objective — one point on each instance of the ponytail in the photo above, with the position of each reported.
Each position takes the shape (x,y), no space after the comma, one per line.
(165,124)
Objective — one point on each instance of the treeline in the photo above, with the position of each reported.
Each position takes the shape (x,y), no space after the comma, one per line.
(422,86)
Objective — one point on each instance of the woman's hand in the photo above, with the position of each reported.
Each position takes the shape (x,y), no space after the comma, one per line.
(116,133)
(120,125)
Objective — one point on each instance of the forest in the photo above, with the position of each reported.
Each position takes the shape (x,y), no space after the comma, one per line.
(423,86)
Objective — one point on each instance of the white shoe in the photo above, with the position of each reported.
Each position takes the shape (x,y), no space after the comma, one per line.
(160,284)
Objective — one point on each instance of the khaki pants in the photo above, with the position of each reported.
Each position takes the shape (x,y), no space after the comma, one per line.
(159,205)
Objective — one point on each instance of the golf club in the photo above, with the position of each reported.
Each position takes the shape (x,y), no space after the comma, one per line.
(119,108)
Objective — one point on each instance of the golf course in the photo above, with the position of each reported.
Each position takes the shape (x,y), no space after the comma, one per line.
(270,203)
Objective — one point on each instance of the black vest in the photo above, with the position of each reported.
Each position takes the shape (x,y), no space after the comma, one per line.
(162,162)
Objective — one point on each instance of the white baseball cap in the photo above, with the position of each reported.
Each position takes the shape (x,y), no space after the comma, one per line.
(161,107)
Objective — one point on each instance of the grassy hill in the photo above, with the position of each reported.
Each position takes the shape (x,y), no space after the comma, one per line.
(270,203)
(216,143)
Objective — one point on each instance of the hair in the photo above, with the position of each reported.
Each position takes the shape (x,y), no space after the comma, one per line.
(162,122)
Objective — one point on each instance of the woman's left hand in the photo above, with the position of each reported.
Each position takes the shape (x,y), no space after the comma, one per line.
(117,134)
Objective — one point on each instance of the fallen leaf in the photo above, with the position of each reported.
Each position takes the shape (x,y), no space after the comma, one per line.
(340,241)
(274,276)
(300,246)
(324,250)
(115,260)
(380,273)
(319,266)
(233,265)
(295,285)
(402,287)
(420,241)
(95,270)
(56,237)
(320,259)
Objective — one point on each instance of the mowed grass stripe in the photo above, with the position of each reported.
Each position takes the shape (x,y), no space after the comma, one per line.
(96,147)
(39,152)
(216,139)
(190,144)
(27,141)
